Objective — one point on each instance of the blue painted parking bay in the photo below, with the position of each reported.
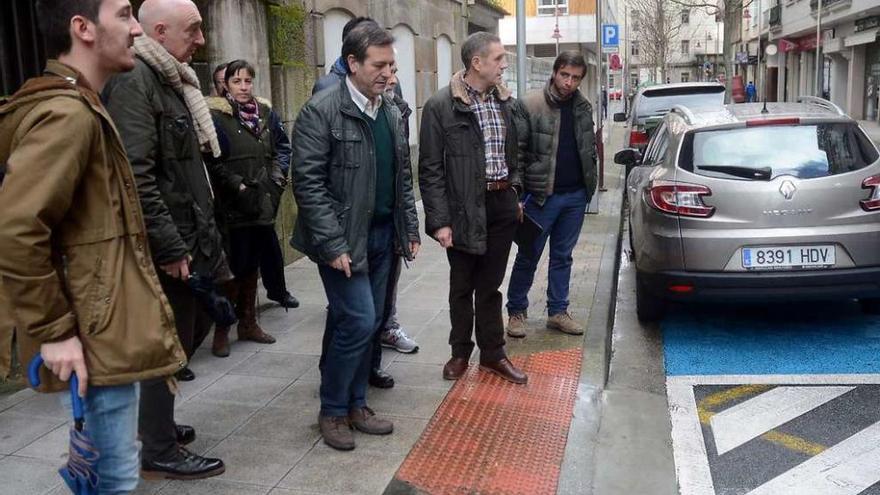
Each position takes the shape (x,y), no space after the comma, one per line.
(783,339)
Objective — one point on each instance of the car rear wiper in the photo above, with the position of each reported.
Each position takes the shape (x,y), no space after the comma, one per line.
(764,173)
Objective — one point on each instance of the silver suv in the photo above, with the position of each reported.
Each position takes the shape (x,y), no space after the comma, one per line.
(752,203)
(650,104)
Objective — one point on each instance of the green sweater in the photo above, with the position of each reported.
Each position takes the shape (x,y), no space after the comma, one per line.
(383,142)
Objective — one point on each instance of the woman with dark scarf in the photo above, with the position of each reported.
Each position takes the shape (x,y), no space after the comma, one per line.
(248,178)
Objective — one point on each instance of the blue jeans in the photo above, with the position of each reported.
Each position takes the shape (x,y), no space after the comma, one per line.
(561,217)
(355,312)
(111,416)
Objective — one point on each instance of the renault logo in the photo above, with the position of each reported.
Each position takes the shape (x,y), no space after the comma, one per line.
(787,189)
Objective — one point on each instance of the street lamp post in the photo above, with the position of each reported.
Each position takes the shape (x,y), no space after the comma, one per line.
(819,63)
(521,48)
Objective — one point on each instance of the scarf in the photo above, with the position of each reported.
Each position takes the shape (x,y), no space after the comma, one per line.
(183,79)
(248,113)
(554,96)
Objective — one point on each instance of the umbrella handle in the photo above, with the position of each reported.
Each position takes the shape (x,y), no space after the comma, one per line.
(75,400)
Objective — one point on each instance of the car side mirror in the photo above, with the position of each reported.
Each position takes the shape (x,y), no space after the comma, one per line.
(620,117)
(628,157)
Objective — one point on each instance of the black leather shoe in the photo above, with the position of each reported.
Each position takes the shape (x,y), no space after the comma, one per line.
(381,379)
(185,375)
(183,466)
(185,434)
(286,300)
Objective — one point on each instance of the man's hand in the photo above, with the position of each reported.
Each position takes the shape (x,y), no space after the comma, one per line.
(444,237)
(414,248)
(65,357)
(343,264)
(520,214)
(178,269)
(241,187)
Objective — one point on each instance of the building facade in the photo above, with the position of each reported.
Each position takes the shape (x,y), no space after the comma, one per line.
(834,53)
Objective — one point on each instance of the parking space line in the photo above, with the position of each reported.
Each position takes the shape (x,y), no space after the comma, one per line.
(691,462)
(848,468)
(754,417)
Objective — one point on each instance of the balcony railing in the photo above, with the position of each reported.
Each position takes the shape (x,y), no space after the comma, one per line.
(814,4)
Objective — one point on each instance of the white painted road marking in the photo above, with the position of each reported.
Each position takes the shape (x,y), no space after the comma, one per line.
(754,417)
(689,449)
(848,468)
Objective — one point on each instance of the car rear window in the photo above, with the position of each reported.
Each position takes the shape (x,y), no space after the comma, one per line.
(767,152)
(659,102)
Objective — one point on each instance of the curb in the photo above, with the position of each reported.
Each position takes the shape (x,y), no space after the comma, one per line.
(578,464)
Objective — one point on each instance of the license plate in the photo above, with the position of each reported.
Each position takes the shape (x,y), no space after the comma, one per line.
(787,257)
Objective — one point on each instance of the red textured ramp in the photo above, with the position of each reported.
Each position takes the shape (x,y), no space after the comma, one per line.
(495,438)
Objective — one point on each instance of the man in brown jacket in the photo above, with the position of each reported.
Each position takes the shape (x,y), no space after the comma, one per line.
(75,265)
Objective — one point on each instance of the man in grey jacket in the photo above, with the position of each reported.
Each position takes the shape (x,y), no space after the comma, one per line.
(559,182)
(156,108)
(352,181)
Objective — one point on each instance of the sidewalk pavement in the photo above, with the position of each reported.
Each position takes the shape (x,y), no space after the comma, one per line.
(257,409)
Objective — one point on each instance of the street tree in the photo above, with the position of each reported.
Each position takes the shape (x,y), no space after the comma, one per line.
(656,26)
(730,13)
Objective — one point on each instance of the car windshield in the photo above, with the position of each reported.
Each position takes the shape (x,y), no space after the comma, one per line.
(661,103)
(767,152)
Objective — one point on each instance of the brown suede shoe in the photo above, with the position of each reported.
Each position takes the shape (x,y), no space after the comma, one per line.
(366,421)
(336,432)
(455,368)
(505,369)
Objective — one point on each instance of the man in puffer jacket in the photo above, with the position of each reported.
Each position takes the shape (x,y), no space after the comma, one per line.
(559,182)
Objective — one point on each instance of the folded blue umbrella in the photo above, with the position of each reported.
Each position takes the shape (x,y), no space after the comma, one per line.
(80,473)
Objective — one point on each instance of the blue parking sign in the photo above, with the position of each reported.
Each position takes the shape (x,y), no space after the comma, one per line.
(610,35)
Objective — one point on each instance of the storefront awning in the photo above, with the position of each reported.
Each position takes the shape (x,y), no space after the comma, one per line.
(862,38)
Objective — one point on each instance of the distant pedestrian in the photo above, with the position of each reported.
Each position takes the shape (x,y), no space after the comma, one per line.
(751,92)
(218,88)
(604,103)
(472,147)
(352,181)
(165,123)
(249,178)
(75,265)
(559,183)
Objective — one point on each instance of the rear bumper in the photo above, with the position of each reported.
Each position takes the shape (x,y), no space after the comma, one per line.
(764,286)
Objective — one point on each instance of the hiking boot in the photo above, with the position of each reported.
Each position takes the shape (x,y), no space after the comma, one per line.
(516,325)
(564,323)
(336,432)
(395,338)
(366,421)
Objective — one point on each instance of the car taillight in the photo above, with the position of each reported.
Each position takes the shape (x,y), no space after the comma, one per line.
(637,137)
(679,198)
(873,201)
(776,121)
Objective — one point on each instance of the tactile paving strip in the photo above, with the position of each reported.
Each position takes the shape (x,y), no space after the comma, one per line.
(495,438)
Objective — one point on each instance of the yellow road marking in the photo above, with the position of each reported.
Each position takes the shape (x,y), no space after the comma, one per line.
(794,443)
(791,442)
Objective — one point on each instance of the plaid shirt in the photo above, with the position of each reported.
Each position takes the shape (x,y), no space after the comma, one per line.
(494,130)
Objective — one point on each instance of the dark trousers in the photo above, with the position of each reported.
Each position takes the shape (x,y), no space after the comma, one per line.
(156,416)
(474,280)
(354,313)
(248,246)
(390,309)
(272,267)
